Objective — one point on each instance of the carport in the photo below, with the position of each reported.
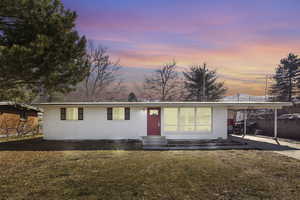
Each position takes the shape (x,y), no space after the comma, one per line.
(246,106)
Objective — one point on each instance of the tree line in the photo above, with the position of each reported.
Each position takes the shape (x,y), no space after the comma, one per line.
(103,82)
(42,56)
(197,83)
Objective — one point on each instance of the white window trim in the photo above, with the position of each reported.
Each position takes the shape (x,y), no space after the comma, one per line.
(195,122)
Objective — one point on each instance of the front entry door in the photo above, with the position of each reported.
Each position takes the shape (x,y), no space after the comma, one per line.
(153,121)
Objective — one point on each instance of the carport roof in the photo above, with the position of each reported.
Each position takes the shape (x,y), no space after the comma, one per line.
(229,105)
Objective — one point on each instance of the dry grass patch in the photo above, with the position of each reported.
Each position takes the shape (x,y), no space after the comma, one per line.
(148,175)
(20,138)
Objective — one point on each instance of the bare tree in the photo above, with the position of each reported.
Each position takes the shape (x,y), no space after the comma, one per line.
(163,84)
(117,91)
(103,72)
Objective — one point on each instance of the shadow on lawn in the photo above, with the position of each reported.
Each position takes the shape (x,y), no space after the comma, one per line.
(38,144)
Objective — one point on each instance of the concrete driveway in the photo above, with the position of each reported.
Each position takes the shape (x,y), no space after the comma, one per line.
(285,147)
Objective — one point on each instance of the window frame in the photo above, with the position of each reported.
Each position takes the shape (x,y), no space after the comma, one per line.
(195,131)
(110,113)
(64,114)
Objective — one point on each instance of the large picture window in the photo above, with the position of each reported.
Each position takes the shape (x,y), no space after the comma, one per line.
(188,119)
(203,120)
(170,119)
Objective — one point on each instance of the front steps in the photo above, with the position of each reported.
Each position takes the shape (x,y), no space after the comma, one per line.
(154,140)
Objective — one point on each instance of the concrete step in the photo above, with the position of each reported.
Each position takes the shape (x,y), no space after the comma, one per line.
(154,140)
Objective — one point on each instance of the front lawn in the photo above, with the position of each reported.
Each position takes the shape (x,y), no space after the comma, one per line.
(170,175)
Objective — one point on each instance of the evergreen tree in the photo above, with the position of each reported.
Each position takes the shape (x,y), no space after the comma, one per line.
(17,94)
(132,97)
(286,79)
(39,48)
(201,84)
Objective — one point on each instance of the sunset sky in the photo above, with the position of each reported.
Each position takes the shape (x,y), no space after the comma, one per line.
(242,39)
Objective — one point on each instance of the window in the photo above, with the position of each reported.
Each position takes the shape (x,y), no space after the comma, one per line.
(71,113)
(118,113)
(188,119)
(170,119)
(203,120)
(153,112)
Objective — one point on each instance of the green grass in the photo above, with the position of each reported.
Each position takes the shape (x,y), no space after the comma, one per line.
(148,175)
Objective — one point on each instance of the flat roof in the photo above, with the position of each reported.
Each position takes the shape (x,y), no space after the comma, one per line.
(230,105)
(20,105)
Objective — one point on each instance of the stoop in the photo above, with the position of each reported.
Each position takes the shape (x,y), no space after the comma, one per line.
(154,140)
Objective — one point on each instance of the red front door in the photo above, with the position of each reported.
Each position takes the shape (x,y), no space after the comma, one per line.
(153,122)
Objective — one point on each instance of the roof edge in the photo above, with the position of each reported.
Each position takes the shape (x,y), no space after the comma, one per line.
(23,105)
(178,103)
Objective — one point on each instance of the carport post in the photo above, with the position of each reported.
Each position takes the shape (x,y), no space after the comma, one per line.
(245,123)
(275,123)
